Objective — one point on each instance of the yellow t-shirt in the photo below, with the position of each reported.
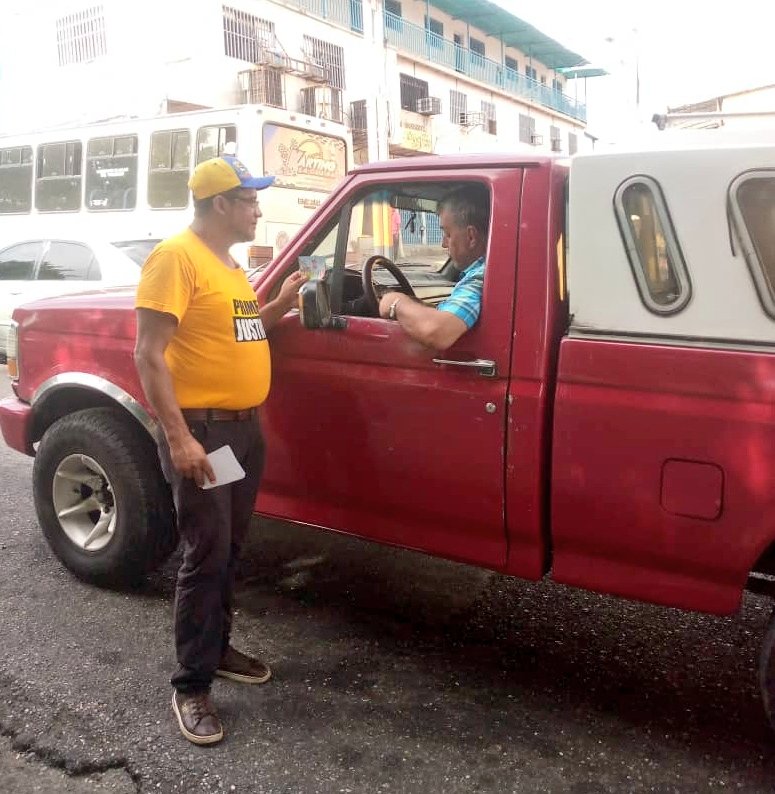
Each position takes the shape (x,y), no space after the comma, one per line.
(219,356)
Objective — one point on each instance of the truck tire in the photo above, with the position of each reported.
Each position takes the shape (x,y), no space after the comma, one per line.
(101,499)
(767,671)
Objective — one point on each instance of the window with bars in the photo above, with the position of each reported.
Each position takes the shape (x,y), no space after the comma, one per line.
(412,89)
(527,127)
(573,143)
(329,55)
(245,35)
(554,137)
(458,105)
(488,112)
(81,36)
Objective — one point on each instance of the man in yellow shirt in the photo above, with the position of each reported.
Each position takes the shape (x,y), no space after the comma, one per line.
(203,359)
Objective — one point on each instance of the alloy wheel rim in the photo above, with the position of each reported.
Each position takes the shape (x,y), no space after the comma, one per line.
(84,503)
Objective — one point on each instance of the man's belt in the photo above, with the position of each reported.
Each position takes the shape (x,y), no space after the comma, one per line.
(218,414)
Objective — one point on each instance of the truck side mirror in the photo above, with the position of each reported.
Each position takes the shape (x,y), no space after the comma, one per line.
(314,305)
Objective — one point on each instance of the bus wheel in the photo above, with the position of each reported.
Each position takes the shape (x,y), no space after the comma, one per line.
(101,499)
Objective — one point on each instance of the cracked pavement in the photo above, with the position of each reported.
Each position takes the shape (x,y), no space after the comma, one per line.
(393,671)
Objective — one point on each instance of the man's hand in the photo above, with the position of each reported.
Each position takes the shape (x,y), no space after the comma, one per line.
(190,459)
(288,295)
(386,301)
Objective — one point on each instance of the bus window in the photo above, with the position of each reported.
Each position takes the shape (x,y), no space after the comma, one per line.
(16,179)
(168,169)
(111,173)
(211,141)
(58,177)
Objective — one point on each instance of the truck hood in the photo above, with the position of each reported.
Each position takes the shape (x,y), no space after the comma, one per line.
(99,312)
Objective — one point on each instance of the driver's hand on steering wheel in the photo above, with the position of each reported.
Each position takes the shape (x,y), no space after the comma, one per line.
(386,301)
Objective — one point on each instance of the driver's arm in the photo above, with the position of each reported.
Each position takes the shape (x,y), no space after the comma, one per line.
(431,327)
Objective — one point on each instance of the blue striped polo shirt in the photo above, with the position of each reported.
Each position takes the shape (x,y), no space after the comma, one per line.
(465,300)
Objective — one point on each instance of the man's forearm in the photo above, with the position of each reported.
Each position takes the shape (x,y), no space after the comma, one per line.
(272,312)
(157,385)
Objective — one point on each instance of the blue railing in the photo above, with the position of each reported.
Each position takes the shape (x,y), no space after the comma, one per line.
(345,13)
(432,47)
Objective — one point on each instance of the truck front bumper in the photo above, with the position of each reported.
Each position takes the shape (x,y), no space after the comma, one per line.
(16,424)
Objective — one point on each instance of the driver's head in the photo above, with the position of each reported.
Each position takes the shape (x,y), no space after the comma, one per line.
(464,217)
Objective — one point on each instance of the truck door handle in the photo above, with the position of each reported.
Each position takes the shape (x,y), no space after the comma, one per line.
(485,367)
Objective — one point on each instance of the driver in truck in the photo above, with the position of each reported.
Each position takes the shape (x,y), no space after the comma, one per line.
(464,217)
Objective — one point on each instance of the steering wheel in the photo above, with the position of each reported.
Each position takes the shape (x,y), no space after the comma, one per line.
(370,293)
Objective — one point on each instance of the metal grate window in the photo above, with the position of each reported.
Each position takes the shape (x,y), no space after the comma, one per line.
(245,35)
(81,36)
(331,56)
(527,126)
(412,89)
(458,103)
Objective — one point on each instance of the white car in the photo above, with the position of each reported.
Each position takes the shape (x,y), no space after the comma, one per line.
(46,267)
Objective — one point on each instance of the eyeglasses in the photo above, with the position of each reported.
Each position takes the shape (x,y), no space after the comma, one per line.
(245,200)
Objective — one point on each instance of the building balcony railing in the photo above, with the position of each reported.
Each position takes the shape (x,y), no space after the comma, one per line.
(344,13)
(431,47)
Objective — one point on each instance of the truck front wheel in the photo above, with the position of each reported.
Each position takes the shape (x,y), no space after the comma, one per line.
(101,499)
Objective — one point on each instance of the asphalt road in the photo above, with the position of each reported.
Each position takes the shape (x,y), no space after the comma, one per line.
(393,672)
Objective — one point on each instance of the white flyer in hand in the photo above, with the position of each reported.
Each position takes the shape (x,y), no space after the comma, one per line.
(226,467)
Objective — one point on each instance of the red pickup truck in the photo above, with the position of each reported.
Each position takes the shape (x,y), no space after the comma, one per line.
(608,422)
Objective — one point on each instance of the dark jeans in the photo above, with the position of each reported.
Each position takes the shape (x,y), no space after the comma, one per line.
(212,525)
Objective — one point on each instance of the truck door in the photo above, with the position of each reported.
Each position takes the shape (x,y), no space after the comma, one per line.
(367,432)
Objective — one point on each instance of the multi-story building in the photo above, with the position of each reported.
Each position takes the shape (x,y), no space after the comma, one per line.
(407,76)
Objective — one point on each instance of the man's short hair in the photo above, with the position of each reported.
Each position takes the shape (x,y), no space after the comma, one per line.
(205,205)
(469,206)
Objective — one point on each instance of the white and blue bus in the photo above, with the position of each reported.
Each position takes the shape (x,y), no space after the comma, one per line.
(127,179)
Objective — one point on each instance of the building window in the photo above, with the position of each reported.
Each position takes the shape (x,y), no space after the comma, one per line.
(651,245)
(245,35)
(263,86)
(434,26)
(434,32)
(752,201)
(488,112)
(527,126)
(555,139)
(168,169)
(331,56)
(81,36)
(58,177)
(573,143)
(476,46)
(530,72)
(16,179)
(111,173)
(557,85)
(324,102)
(393,20)
(457,106)
(412,89)
(511,63)
(212,141)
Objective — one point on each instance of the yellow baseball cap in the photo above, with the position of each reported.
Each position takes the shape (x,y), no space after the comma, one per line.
(222,174)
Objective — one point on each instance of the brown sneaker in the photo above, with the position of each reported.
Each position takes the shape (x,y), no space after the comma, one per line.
(197,718)
(243,668)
